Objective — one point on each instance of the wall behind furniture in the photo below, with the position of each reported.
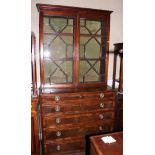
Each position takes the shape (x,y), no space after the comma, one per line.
(116,28)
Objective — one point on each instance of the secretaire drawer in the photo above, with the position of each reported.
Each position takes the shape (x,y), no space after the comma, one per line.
(59,119)
(60,98)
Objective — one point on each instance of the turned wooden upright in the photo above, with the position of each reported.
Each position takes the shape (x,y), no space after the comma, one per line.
(34,100)
(118,52)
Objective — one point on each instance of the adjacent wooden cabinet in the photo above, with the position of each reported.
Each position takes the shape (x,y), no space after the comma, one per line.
(35,148)
(118,53)
(74,98)
(119,112)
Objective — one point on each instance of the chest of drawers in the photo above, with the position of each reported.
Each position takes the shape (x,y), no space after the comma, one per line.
(68,117)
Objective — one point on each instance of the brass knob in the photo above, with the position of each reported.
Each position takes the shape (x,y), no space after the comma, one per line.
(80,96)
(58,133)
(57,108)
(100,128)
(57,98)
(101,105)
(58,148)
(101,116)
(58,120)
(101,95)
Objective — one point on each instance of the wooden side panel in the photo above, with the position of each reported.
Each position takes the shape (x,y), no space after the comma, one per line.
(35,147)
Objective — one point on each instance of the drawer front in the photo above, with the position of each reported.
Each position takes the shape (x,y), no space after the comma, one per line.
(100,128)
(78,107)
(58,133)
(81,130)
(78,130)
(98,95)
(66,148)
(95,105)
(61,98)
(98,105)
(57,120)
(61,109)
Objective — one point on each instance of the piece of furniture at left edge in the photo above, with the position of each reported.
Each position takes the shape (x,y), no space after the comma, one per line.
(34,128)
(34,100)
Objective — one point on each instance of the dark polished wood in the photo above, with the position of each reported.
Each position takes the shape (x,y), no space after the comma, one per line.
(120,88)
(46,7)
(33,64)
(119,113)
(71,116)
(98,147)
(72,111)
(118,51)
(35,147)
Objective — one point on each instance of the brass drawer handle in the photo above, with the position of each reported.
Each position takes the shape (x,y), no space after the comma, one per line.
(58,133)
(58,148)
(57,98)
(101,95)
(101,116)
(58,120)
(101,105)
(57,108)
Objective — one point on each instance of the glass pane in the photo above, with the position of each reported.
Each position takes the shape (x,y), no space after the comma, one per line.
(84,40)
(47,28)
(57,71)
(81,51)
(91,44)
(58,24)
(68,40)
(93,26)
(82,22)
(47,39)
(83,30)
(70,22)
(92,66)
(68,29)
(70,51)
(58,49)
(92,49)
(89,71)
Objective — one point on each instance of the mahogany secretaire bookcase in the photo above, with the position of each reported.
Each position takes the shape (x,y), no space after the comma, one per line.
(74,98)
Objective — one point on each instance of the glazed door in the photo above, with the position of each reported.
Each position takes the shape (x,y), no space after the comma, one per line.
(57,69)
(93,48)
